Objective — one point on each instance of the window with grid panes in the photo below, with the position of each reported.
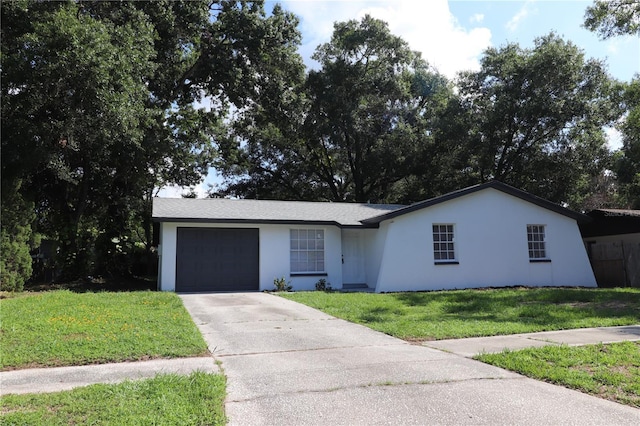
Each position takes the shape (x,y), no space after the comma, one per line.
(443,243)
(307,250)
(535,240)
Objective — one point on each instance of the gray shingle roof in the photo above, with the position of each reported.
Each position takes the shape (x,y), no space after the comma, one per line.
(265,211)
(341,214)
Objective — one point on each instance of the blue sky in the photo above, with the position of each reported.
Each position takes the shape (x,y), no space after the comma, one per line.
(452,34)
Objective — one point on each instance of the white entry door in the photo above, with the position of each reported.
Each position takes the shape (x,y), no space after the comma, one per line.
(352,258)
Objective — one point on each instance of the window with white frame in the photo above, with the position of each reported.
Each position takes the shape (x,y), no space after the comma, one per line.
(307,250)
(443,243)
(536,241)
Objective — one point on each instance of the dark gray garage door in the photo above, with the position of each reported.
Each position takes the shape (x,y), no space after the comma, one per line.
(217,259)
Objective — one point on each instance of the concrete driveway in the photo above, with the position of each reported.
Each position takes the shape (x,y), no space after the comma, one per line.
(288,364)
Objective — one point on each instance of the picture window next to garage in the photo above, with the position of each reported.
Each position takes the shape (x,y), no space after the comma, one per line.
(443,244)
(307,251)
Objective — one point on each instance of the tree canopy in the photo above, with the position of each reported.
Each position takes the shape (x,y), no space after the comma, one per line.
(611,18)
(618,18)
(536,117)
(349,131)
(98,108)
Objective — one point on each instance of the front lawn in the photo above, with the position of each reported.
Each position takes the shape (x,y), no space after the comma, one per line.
(197,399)
(608,371)
(63,328)
(470,313)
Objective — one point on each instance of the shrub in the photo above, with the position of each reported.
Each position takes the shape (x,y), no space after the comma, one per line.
(16,240)
(15,264)
(323,285)
(281,284)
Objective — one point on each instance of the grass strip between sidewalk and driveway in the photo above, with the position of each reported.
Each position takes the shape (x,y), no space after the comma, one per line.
(610,371)
(472,313)
(197,399)
(61,328)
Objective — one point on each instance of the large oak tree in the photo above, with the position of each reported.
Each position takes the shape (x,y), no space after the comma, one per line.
(534,118)
(618,18)
(98,109)
(350,131)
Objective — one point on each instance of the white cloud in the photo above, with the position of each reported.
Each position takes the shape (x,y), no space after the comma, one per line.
(524,12)
(478,17)
(613,47)
(428,27)
(625,45)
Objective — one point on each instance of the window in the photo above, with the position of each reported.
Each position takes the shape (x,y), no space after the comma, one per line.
(443,245)
(307,250)
(535,239)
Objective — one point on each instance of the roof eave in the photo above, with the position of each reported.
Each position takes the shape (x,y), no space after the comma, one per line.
(263,222)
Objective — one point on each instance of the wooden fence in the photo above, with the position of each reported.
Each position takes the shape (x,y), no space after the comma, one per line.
(615,264)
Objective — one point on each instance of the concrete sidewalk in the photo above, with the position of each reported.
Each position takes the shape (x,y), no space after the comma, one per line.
(37,380)
(55,379)
(584,336)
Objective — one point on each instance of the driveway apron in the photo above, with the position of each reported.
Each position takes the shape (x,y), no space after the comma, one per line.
(288,364)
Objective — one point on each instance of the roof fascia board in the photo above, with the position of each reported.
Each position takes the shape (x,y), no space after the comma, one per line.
(262,222)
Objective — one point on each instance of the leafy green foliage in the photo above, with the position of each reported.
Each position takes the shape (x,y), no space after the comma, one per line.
(63,328)
(613,17)
(167,399)
(627,160)
(281,284)
(15,265)
(98,113)
(323,285)
(609,371)
(349,131)
(16,240)
(535,117)
(376,123)
(471,313)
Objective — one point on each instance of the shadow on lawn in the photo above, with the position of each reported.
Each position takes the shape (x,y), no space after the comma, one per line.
(98,285)
(377,314)
(533,305)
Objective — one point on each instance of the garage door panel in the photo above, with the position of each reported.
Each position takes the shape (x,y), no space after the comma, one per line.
(217,259)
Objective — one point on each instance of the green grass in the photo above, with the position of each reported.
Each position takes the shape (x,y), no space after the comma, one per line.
(469,313)
(609,371)
(63,328)
(197,399)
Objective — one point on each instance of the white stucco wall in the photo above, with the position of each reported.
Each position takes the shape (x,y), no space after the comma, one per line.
(374,240)
(274,254)
(490,243)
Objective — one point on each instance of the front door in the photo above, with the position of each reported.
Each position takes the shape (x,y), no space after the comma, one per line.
(353,258)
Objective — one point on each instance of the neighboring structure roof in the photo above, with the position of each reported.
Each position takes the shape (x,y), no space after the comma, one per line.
(614,212)
(265,211)
(223,210)
(470,190)
(611,222)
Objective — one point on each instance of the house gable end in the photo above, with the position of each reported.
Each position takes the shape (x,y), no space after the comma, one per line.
(473,189)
